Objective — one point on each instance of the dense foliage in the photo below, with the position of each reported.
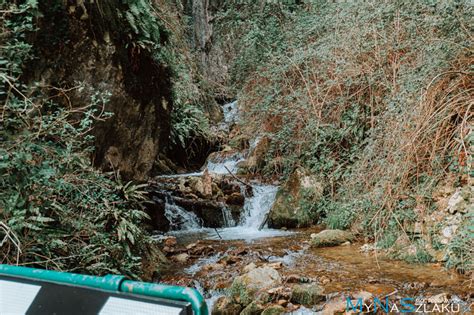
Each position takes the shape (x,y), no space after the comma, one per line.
(56,211)
(376,99)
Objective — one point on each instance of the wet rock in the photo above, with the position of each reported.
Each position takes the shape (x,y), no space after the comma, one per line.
(239,251)
(181,258)
(330,238)
(202,250)
(212,267)
(252,309)
(307,294)
(225,306)
(229,260)
(168,249)
(170,241)
(244,289)
(288,210)
(274,310)
(207,184)
(235,198)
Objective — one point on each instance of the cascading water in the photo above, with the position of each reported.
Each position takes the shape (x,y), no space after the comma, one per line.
(254,212)
(255,208)
(179,218)
(225,165)
(227,217)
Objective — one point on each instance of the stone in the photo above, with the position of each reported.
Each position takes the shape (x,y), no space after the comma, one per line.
(236,199)
(455,201)
(282,302)
(328,238)
(307,294)
(249,267)
(438,299)
(288,209)
(252,309)
(207,184)
(324,280)
(244,289)
(293,278)
(225,306)
(170,241)
(337,306)
(181,258)
(274,310)
(275,265)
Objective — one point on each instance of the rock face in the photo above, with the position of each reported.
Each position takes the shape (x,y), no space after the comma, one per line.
(97,63)
(205,195)
(245,288)
(330,238)
(290,207)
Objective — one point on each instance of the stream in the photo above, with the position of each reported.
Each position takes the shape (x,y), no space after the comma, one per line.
(210,258)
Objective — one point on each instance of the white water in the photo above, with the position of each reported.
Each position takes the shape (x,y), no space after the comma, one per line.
(225,165)
(179,218)
(254,212)
(255,208)
(227,216)
(201,262)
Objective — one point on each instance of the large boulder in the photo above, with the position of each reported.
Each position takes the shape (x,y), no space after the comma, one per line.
(330,238)
(293,200)
(245,288)
(307,294)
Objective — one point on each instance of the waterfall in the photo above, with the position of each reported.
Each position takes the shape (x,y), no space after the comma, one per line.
(179,218)
(231,113)
(225,164)
(227,216)
(255,209)
(257,206)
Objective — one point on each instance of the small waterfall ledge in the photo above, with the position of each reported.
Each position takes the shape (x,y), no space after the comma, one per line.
(255,207)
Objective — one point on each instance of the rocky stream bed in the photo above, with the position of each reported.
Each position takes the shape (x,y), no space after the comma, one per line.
(240,242)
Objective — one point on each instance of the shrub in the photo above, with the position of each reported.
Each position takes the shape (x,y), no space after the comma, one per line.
(56,211)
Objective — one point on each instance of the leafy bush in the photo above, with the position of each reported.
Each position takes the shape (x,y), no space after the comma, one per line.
(56,211)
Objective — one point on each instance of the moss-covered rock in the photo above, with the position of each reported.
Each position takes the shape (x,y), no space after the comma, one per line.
(245,288)
(252,309)
(293,200)
(307,294)
(274,310)
(330,238)
(225,306)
